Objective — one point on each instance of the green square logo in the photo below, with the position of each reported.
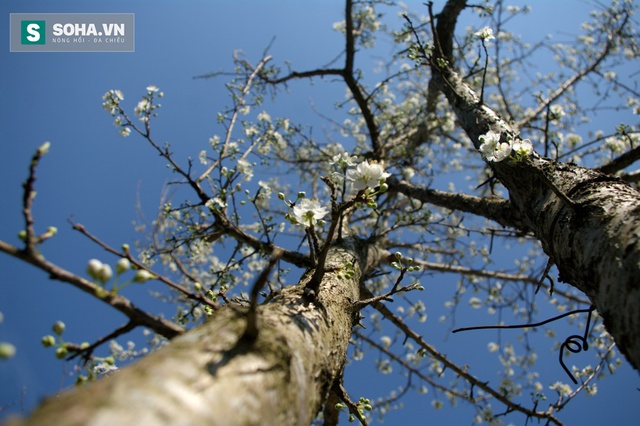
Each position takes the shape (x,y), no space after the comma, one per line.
(33,32)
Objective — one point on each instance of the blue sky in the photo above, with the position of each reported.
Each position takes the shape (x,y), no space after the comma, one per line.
(97,177)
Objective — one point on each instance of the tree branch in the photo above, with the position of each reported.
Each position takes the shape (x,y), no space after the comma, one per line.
(161,326)
(493,208)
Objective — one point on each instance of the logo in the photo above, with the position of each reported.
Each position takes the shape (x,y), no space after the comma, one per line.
(33,32)
(72,32)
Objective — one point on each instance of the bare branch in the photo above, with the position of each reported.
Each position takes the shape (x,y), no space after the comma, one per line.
(493,208)
(140,317)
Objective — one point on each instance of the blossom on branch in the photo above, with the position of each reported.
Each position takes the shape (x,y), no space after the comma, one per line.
(492,149)
(367,175)
(522,148)
(343,160)
(308,212)
(485,33)
(112,101)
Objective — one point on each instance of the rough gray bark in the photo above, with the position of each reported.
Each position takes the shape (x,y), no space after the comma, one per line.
(588,222)
(211,375)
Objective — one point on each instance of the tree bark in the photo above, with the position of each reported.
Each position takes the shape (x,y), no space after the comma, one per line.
(588,222)
(213,375)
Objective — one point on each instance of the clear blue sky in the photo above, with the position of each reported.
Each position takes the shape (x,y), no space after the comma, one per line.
(96,177)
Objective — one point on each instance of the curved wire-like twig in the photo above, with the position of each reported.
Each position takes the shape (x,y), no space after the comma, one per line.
(573,343)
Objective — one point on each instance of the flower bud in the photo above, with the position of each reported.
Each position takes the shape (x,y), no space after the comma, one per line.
(44,148)
(197,286)
(58,327)
(105,273)
(48,341)
(7,350)
(142,276)
(93,268)
(122,265)
(62,352)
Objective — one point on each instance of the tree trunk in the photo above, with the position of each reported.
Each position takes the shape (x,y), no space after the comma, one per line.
(588,222)
(212,375)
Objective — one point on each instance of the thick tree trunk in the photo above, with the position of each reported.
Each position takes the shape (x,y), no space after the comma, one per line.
(588,222)
(211,375)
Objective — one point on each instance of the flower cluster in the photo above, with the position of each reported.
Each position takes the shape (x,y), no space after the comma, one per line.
(99,271)
(144,109)
(343,161)
(112,100)
(102,273)
(309,212)
(485,33)
(494,150)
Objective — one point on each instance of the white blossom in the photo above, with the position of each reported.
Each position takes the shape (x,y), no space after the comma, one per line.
(112,100)
(245,168)
(523,147)
(556,112)
(492,149)
(264,116)
(142,107)
(485,33)
(308,212)
(475,302)
(216,203)
(367,175)
(408,173)
(561,388)
(343,160)
(203,157)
